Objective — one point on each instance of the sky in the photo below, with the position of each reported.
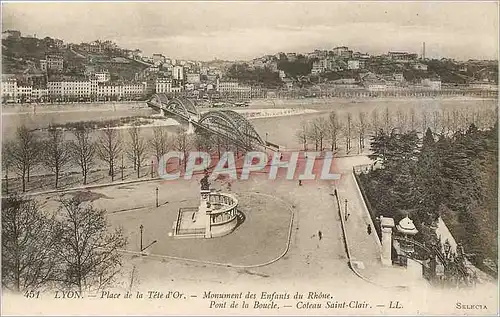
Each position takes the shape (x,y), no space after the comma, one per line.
(244,30)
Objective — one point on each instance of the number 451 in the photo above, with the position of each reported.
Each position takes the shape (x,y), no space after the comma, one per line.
(32,294)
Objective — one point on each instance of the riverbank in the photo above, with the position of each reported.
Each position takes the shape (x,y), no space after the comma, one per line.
(34,108)
(269,102)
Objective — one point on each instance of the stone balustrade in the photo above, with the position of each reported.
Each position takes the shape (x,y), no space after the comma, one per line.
(223,217)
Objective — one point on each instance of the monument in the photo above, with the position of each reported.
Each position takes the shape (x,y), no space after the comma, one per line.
(216,215)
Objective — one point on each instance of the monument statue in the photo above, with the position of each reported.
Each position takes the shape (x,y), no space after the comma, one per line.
(205,185)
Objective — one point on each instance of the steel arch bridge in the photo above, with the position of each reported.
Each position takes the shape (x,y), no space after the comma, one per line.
(227,124)
(182,107)
(232,125)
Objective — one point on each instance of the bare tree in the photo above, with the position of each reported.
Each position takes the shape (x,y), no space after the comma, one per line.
(136,150)
(89,253)
(413,119)
(375,121)
(425,120)
(6,163)
(83,151)
(302,134)
(30,244)
(24,153)
(109,148)
(203,142)
(317,132)
(348,131)
(387,120)
(56,154)
(333,130)
(436,121)
(401,120)
(445,121)
(455,121)
(361,127)
(182,143)
(160,143)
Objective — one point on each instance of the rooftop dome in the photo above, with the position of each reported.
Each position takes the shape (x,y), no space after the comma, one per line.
(406,226)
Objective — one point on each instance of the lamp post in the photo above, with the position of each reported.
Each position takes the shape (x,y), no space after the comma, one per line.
(141,228)
(152,168)
(156,197)
(345,213)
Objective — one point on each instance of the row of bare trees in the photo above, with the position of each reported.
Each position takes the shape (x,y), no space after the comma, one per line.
(87,148)
(335,128)
(70,249)
(327,132)
(57,154)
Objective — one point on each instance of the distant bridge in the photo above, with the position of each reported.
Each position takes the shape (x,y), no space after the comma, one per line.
(227,124)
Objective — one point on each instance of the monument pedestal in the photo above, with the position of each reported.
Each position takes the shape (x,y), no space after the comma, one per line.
(215,216)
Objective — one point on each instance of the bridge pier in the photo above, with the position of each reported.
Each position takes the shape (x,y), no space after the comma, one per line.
(190,129)
(162,112)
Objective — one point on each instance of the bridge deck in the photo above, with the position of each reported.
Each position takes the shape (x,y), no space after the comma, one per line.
(200,126)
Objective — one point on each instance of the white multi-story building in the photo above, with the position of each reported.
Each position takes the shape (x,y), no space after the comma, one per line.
(109,91)
(102,77)
(52,62)
(133,89)
(72,89)
(24,92)
(353,64)
(320,66)
(40,93)
(226,86)
(9,90)
(119,91)
(178,73)
(232,87)
(340,50)
(163,85)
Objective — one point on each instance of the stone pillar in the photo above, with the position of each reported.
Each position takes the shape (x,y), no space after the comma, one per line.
(386,224)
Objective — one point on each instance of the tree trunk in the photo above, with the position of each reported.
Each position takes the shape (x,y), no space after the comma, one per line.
(112,171)
(24,181)
(7,180)
(57,176)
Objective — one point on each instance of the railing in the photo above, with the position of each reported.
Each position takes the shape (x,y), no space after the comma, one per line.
(227,212)
(227,202)
(465,273)
(178,223)
(359,169)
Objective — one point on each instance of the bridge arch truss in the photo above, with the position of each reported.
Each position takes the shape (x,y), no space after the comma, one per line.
(233,126)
